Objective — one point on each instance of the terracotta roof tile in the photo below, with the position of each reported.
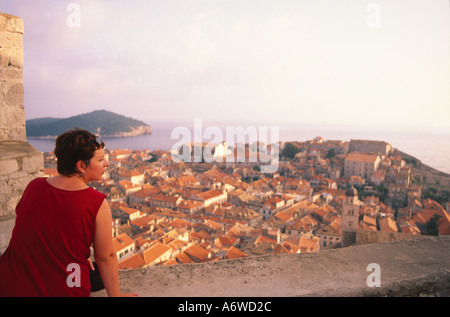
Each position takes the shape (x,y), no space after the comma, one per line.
(234,253)
(122,241)
(154,252)
(197,253)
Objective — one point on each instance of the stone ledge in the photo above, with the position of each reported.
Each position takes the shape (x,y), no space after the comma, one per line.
(19,164)
(12,149)
(408,268)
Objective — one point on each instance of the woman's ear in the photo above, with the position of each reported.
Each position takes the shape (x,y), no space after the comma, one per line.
(81,166)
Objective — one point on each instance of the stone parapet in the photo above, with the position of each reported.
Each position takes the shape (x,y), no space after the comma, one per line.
(407,268)
(368,236)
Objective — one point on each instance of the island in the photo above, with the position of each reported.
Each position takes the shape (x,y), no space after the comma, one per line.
(100,122)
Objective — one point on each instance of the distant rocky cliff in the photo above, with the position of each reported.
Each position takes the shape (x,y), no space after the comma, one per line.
(142,129)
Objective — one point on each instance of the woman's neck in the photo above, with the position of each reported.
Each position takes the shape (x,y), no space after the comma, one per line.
(74,182)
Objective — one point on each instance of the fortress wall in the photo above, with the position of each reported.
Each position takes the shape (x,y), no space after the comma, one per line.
(19,161)
(407,268)
(366,236)
(12,109)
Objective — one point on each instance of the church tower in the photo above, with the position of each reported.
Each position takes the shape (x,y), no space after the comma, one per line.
(350,217)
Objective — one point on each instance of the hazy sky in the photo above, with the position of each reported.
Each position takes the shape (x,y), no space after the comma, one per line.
(369,62)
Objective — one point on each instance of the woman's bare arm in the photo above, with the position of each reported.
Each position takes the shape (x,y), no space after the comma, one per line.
(104,253)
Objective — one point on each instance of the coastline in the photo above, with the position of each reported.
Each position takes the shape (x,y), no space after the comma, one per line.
(140,130)
(431,149)
(425,175)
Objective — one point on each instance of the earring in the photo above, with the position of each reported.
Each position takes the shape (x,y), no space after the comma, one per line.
(82,175)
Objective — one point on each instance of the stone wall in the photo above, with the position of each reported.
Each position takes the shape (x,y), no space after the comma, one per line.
(429,179)
(369,146)
(19,161)
(407,268)
(19,164)
(348,238)
(12,108)
(366,236)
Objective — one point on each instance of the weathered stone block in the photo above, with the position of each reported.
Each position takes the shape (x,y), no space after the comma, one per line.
(8,167)
(11,56)
(11,23)
(11,40)
(33,163)
(12,122)
(4,57)
(15,95)
(19,164)
(11,74)
(11,190)
(15,57)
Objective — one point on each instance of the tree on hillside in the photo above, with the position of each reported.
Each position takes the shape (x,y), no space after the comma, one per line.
(331,154)
(440,197)
(290,150)
(432,227)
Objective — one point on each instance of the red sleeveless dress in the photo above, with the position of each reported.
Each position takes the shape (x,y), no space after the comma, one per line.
(50,244)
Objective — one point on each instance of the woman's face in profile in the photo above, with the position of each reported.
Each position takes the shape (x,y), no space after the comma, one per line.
(97,165)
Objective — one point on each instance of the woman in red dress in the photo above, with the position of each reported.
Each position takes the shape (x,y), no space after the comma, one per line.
(57,220)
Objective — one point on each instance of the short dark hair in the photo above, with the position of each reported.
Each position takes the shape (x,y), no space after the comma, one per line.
(72,146)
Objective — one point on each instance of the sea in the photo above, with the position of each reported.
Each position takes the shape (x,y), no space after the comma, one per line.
(432,147)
